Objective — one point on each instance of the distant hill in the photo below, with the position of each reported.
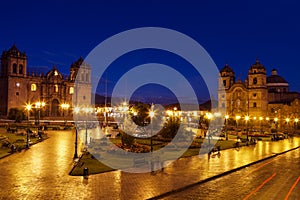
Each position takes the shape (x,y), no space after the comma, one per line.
(100,100)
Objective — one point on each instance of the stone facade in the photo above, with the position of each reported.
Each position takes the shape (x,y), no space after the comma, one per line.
(19,88)
(258,96)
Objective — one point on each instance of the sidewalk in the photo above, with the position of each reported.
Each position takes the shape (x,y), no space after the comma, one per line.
(184,172)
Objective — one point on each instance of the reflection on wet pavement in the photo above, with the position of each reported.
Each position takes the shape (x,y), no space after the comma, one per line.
(42,172)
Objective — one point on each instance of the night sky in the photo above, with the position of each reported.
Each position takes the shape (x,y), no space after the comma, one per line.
(234,31)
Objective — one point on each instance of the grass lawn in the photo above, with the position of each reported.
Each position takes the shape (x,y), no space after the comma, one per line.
(95,166)
(18,139)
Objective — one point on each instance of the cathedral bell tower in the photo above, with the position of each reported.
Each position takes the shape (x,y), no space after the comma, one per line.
(13,62)
(257,87)
(226,81)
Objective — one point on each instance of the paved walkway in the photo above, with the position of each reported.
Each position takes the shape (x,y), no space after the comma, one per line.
(42,172)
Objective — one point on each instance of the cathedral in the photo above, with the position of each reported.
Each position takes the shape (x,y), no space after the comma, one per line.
(258,96)
(19,88)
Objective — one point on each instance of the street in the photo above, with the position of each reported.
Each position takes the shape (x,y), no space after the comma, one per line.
(271,179)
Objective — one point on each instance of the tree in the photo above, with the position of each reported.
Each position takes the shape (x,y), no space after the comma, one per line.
(16,114)
(170,128)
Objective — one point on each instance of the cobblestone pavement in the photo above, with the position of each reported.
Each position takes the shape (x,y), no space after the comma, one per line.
(42,172)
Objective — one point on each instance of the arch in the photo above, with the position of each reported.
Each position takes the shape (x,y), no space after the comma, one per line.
(55,108)
(55,88)
(71,91)
(14,68)
(87,77)
(21,69)
(33,87)
(254,81)
(82,76)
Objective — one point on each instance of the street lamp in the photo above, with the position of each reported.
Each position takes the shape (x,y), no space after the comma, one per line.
(76,110)
(226,123)
(151,114)
(39,105)
(209,117)
(267,119)
(28,108)
(86,110)
(287,122)
(237,118)
(260,129)
(247,119)
(296,124)
(65,106)
(276,120)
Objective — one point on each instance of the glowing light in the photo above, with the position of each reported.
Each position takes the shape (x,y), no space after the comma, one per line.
(65,106)
(28,107)
(237,117)
(247,118)
(76,110)
(151,114)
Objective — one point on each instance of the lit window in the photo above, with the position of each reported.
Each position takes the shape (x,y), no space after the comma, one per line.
(33,87)
(18,84)
(71,91)
(56,88)
(55,73)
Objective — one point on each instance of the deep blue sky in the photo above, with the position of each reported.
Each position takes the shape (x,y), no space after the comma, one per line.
(233,31)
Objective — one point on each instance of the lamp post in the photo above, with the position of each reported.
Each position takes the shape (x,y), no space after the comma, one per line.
(28,108)
(276,124)
(39,105)
(287,123)
(296,124)
(260,129)
(226,123)
(247,135)
(76,110)
(267,119)
(65,106)
(209,117)
(237,118)
(86,110)
(151,114)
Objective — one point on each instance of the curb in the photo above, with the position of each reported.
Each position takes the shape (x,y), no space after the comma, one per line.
(219,175)
(75,165)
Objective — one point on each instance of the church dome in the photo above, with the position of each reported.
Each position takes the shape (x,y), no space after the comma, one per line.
(275,78)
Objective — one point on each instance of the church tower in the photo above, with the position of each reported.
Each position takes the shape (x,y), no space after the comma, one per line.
(13,82)
(257,87)
(226,81)
(13,62)
(80,74)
